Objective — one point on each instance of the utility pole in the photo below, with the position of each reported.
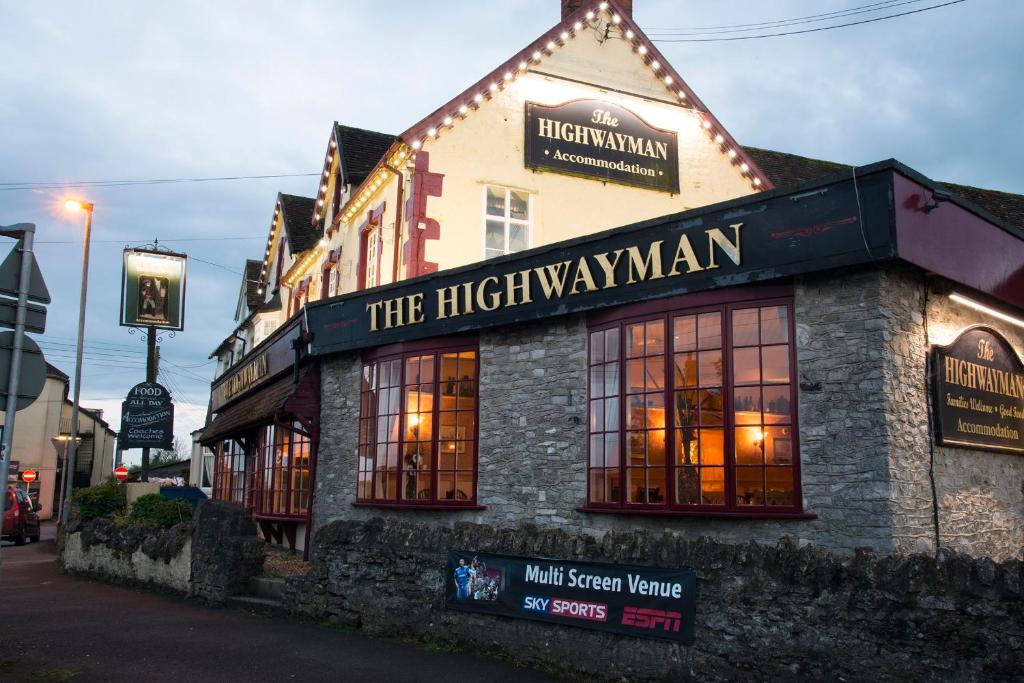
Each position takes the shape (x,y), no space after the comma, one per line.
(151,371)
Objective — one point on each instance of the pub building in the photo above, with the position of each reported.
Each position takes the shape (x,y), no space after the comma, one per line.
(569,298)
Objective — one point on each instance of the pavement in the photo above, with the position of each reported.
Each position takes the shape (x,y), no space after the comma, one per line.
(55,627)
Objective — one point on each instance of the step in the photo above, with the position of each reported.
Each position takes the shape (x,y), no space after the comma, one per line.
(267,587)
(257,605)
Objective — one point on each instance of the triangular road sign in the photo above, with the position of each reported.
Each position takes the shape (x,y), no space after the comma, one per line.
(10,271)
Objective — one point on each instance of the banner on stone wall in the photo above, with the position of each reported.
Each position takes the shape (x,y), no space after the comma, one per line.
(979,392)
(647,602)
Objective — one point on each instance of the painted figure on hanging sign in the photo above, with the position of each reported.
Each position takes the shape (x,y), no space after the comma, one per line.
(153,299)
(153,289)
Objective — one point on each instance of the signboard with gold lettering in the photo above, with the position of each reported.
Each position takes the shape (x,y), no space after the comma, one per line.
(266,361)
(979,387)
(601,140)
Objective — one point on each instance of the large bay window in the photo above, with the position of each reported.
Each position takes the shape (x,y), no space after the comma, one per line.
(417,428)
(229,472)
(281,470)
(693,410)
(507,215)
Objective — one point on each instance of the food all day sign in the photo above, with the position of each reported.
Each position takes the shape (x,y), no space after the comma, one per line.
(979,386)
(147,417)
(647,602)
(600,140)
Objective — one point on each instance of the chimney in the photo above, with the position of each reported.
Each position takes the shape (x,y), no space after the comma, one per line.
(570,6)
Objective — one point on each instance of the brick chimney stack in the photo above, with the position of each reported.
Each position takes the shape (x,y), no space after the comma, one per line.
(570,6)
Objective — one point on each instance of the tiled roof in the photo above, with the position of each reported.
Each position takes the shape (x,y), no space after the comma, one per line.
(298,225)
(360,151)
(789,169)
(253,298)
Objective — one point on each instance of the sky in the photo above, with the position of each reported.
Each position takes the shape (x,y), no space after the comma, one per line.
(117,90)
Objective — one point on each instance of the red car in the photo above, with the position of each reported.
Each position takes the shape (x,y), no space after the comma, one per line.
(20,519)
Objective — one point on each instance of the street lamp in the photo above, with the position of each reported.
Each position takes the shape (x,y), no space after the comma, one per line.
(77,205)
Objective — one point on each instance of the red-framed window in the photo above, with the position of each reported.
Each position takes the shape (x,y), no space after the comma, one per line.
(229,468)
(281,481)
(693,409)
(418,426)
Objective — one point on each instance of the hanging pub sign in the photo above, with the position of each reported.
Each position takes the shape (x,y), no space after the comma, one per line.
(153,289)
(600,140)
(647,602)
(979,392)
(147,417)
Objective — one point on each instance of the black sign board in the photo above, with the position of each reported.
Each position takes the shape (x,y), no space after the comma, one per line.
(147,417)
(743,241)
(596,139)
(637,601)
(979,392)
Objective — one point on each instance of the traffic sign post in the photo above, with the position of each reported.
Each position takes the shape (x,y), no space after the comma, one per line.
(28,476)
(121,473)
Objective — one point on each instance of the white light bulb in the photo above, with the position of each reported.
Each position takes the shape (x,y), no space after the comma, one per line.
(522,66)
(478,98)
(630,34)
(577,26)
(508,75)
(493,87)
(323,187)
(744,167)
(447,121)
(319,202)
(432,132)
(463,109)
(616,19)
(326,173)
(564,35)
(732,154)
(536,55)
(642,49)
(416,144)
(682,95)
(590,15)
(719,139)
(668,80)
(551,46)
(655,65)
(706,124)
(603,6)
(757,181)
(333,144)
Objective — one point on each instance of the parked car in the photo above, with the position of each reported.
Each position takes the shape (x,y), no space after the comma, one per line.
(21,521)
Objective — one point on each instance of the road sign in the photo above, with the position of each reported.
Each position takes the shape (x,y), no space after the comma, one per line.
(147,417)
(10,270)
(33,370)
(121,473)
(28,476)
(35,315)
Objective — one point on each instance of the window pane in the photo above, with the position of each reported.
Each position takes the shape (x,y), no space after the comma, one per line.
(597,416)
(744,327)
(711,407)
(519,206)
(494,237)
(635,375)
(684,332)
(655,411)
(712,485)
(611,414)
(656,485)
(597,487)
(746,366)
(686,408)
(611,344)
(496,201)
(597,381)
(637,452)
(687,486)
(596,450)
(687,447)
(775,363)
(776,404)
(712,447)
(774,325)
(710,368)
(491,253)
(780,485)
(464,486)
(611,379)
(778,442)
(655,373)
(445,486)
(709,331)
(611,449)
(749,442)
(597,347)
(518,235)
(655,338)
(467,365)
(686,370)
(449,367)
(634,340)
(750,485)
(656,447)
(636,485)
(747,405)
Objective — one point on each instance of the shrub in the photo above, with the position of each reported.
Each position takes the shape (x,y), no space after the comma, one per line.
(153,510)
(105,500)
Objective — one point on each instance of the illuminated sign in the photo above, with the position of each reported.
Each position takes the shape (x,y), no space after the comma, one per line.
(153,289)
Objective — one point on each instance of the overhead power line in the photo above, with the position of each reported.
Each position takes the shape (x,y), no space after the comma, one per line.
(59,185)
(179,239)
(775,23)
(806,30)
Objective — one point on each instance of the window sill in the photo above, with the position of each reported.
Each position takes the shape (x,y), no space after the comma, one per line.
(419,506)
(280,517)
(724,514)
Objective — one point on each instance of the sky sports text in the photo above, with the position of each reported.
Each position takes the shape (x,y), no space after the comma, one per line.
(560,607)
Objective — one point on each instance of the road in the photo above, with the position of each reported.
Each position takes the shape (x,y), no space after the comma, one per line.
(54,627)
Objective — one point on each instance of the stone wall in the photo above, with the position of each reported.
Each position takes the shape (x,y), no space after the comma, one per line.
(212,558)
(763,611)
(979,494)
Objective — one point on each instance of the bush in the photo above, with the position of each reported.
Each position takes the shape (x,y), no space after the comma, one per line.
(105,500)
(153,510)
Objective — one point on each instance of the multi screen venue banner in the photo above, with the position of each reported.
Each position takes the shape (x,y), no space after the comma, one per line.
(637,601)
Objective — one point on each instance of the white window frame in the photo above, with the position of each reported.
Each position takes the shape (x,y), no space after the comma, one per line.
(372,258)
(507,218)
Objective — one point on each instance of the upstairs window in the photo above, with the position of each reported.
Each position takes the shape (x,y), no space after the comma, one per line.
(507,220)
(417,428)
(692,410)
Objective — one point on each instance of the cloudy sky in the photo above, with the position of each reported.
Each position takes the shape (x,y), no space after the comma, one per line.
(119,90)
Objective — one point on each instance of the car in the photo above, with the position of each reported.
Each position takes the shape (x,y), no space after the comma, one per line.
(21,520)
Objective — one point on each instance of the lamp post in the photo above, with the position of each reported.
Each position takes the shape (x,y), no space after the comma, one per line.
(77,205)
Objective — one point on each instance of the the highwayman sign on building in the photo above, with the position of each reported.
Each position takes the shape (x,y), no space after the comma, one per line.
(637,601)
(269,360)
(596,139)
(979,392)
(147,417)
(743,241)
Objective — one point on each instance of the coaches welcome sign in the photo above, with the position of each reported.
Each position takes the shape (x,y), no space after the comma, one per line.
(600,140)
(638,601)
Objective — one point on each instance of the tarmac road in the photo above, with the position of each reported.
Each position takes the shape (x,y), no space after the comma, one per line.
(55,627)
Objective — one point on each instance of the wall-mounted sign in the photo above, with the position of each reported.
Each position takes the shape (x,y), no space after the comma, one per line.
(147,417)
(267,361)
(153,289)
(645,602)
(979,392)
(600,140)
(743,241)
